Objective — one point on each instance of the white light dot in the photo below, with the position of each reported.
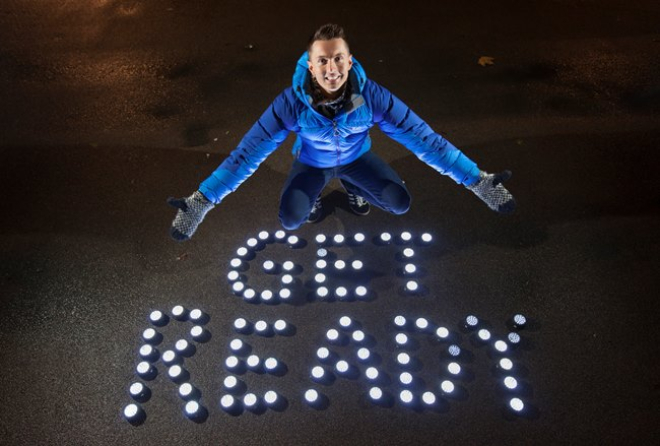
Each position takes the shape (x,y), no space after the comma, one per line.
(483,334)
(287,279)
(270,397)
(236,344)
(506,364)
(253,361)
(510,382)
(136,389)
(280,235)
(454,368)
(386,237)
(181,345)
(322,291)
(516,404)
(269,265)
(426,237)
(231,362)
(408,252)
(363,353)
(196,315)
(311,396)
(238,287)
(271,363)
(235,263)
(249,294)
(358,336)
(429,398)
(345,321)
(178,311)
(410,268)
(240,323)
(375,393)
(514,338)
(357,264)
(454,350)
(288,265)
(371,373)
(340,264)
(471,321)
(359,237)
(233,276)
(519,320)
(185,389)
(175,371)
(442,332)
(261,326)
(263,235)
(405,378)
(292,240)
(285,293)
(266,295)
(406,396)
(401,338)
(168,356)
(242,251)
(250,400)
(230,382)
(196,331)
(341,291)
(320,264)
(252,242)
(332,334)
(361,291)
(411,285)
(323,353)
(131,410)
(280,325)
(338,239)
(406,236)
(422,323)
(447,386)
(318,372)
(399,321)
(319,278)
(143,368)
(321,238)
(146,350)
(342,366)
(156,316)
(322,252)
(501,346)
(227,401)
(403,358)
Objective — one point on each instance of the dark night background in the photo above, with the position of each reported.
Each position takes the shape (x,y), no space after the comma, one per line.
(107,107)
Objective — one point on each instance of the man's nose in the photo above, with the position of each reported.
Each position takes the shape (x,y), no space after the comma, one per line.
(332,65)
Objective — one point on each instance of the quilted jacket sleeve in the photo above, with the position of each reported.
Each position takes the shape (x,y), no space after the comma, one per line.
(401,124)
(259,142)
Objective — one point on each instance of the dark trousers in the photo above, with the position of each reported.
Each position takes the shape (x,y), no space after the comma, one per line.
(368,176)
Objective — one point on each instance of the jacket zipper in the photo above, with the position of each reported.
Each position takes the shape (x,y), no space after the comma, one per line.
(335,133)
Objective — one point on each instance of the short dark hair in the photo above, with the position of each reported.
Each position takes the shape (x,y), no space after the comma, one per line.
(328,31)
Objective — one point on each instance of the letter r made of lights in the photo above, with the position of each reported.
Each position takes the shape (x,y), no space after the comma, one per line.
(319,271)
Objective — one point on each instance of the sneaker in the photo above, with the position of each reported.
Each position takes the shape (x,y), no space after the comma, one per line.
(316,212)
(358,205)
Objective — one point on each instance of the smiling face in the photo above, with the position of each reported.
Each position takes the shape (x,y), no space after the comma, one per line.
(329,62)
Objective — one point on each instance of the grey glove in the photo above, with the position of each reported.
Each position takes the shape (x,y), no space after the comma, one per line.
(191,212)
(489,188)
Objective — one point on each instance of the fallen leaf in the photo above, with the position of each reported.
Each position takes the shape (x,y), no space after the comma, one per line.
(182,256)
(486,60)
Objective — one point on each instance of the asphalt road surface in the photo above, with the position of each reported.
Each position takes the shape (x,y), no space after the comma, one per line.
(108,107)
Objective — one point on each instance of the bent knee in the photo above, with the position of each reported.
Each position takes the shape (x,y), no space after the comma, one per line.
(398,198)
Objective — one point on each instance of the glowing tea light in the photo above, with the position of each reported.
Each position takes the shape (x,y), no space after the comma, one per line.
(236,345)
(322,253)
(198,333)
(332,335)
(514,338)
(227,402)
(442,332)
(269,266)
(240,324)
(408,253)
(340,265)
(345,321)
(318,372)
(363,354)
(323,353)
(341,292)
(359,237)
(178,312)
(196,315)
(319,278)
(405,378)
(182,346)
(249,294)
(288,265)
(358,336)
(287,279)
(322,292)
(386,237)
(266,295)
(253,361)
(410,268)
(501,346)
(454,368)
(361,291)
(242,251)
(271,364)
(447,386)
(422,323)
(280,235)
(400,321)
(321,238)
(292,240)
(157,317)
(401,338)
(186,390)
(280,326)
(483,334)
(406,236)
(320,264)
(261,327)
(252,242)
(232,362)
(263,235)
(237,287)
(230,382)
(375,393)
(372,373)
(169,357)
(510,382)
(427,238)
(133,412)
(175,372)
(144,369)
(519,321)
(357,265)
(311,396)
(471,321)
(406,396)
(147,351)
(412,286)
(338,239)
(506,364)
(403,358)
(454,350)
(250,400)
(137,390)
(429,398)
(516,404)
(342,366)
(271,397)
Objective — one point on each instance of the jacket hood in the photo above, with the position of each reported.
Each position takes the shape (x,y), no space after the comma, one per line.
(302,79)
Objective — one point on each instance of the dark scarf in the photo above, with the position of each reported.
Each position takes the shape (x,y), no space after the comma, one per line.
(330,107)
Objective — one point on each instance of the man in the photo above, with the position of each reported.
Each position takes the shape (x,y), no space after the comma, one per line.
(331,106)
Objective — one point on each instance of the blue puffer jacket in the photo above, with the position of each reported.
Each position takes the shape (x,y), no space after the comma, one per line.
(324,142)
